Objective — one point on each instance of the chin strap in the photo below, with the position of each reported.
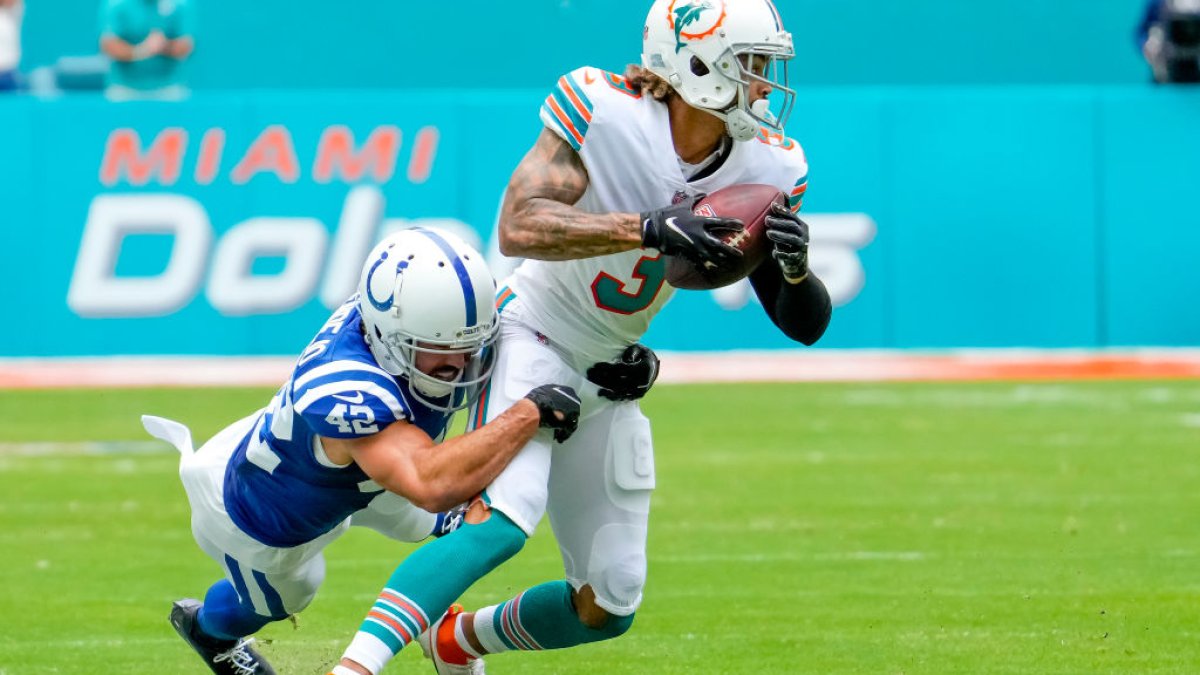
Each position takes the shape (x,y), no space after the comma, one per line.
(741,125)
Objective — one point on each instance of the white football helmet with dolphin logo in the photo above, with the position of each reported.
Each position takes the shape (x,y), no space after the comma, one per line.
(426,290)
(707,51)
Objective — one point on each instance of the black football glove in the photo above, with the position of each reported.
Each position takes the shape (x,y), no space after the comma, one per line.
(789,234)
(676,230)
(558,407)
(628,377)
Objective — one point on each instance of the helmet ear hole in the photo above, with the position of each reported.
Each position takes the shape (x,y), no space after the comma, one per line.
(698,67)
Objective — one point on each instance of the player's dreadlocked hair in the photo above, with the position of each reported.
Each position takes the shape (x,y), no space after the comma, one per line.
(643,81)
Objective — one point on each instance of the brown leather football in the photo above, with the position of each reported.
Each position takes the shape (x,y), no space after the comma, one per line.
(748,203)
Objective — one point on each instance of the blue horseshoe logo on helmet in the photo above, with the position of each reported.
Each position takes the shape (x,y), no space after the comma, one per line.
(391,300)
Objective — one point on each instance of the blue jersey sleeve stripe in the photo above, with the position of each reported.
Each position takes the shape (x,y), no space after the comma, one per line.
(571,97)
(549,116)
(389,399)
(337,367)
(464,279)
(347,383)
(572,113)
(578,91)
(796,198)
(332,379)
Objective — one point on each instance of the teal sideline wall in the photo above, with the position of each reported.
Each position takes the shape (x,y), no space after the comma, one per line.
(1006,216)
(524,44)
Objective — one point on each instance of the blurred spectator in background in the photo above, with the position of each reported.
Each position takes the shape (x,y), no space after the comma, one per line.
(10,42)
(1169,36)
(148,41)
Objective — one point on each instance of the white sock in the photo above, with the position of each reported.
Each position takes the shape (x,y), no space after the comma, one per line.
(485,630)
(369,652)
(461,638)
(342,670)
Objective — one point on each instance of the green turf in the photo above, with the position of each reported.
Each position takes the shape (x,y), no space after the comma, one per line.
(925,528)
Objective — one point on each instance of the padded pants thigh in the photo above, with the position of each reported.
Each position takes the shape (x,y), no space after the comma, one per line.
(600,486)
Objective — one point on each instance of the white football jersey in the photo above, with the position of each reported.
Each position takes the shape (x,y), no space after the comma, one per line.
(595,307)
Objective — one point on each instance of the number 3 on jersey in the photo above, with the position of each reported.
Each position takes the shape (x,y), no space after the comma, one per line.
(610,294)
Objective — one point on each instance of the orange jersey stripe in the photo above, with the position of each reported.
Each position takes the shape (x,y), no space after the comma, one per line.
(504,295)
(564,119)
(565,85)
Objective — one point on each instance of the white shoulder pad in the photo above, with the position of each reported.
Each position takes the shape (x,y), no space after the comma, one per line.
(580,97)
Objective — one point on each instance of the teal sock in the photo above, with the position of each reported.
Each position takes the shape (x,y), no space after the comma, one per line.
(541,618)
(435,575)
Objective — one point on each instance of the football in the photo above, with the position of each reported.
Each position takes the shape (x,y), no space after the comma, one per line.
(748,203)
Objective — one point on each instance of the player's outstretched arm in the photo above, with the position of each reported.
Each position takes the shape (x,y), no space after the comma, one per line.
(403,459)
(539,220)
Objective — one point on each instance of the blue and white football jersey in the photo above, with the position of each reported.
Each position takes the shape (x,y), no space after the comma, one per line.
(280,487)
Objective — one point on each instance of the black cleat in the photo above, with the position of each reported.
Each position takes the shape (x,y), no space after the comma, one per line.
(224,657)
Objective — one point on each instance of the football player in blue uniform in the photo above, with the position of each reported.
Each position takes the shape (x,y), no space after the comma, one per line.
(349,439)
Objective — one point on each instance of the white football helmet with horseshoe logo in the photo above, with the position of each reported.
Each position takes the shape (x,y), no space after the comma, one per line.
(427,290)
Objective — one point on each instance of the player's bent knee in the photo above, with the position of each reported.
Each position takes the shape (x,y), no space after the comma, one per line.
(295,605)
(602,624)
(619,586)
(607,626)
(294,589)
(589,613)
(616,626)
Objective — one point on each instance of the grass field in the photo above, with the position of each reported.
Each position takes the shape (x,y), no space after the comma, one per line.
(920,528)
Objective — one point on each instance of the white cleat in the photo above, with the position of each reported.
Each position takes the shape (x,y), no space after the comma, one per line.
(429,645)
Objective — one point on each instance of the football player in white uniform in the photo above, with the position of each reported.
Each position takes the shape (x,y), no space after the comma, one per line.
(349,439)
(585,208)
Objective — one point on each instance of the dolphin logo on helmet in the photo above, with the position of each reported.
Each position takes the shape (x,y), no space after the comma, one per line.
(712,52)
(688,14)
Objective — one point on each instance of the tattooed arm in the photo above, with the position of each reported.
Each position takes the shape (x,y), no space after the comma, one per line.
(538,219)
